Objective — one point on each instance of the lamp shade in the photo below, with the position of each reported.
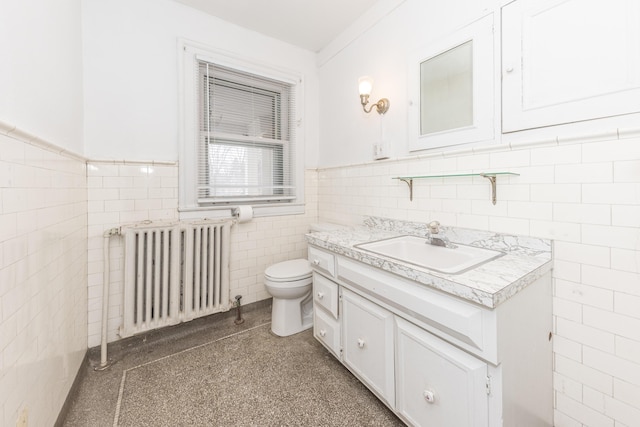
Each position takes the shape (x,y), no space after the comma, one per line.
(365,84)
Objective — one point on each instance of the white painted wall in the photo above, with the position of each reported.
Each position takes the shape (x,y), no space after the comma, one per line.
(131,74)
(41,70)
(43,209)
(579,185)
(383,52)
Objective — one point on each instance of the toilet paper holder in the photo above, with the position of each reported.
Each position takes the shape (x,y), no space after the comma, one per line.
(242,213)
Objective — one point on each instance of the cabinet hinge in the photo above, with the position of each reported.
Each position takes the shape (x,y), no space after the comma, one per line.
(488,385)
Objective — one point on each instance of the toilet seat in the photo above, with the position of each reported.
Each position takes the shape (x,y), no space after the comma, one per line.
(288,271)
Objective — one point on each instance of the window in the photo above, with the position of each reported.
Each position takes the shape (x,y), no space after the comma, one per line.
(239,144)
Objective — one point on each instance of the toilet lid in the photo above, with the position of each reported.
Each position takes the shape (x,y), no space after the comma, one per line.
(289,270)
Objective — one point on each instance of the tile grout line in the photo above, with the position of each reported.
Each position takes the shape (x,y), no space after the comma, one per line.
(124,373)
(116,417)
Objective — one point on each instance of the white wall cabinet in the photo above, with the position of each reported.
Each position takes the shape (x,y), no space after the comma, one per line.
(452,101)
(566,61)
(432,358)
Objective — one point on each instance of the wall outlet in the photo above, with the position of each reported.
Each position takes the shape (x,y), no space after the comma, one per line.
(381,150)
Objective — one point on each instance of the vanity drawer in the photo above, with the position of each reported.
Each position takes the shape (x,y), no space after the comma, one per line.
(326,329)
(325,294)
(322,261)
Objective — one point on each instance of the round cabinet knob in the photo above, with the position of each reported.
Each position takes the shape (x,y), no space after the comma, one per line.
(509,70)
(316,262)
(320,295)
(360,343)
(323,332)
(428,396)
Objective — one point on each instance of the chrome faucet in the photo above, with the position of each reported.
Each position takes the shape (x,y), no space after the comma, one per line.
(436,239)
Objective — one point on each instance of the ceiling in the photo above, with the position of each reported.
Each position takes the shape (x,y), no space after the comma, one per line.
(309,24)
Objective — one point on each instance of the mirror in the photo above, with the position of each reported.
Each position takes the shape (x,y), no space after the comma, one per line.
(451,89)
(446,90)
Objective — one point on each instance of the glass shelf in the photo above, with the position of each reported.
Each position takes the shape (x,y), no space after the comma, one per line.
(491,176)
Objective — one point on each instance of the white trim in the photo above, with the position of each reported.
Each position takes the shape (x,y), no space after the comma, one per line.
(134,162)
(527,139)
(227,211)
(12,131)
(251,67)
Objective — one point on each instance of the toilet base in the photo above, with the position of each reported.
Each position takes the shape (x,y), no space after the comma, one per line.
(290,316)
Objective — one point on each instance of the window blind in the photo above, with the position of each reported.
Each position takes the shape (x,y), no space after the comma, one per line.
(246,138)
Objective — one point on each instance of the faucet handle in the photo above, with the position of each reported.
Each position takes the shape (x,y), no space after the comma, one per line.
(434,227)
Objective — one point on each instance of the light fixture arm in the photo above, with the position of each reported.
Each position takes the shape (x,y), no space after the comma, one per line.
(382,106)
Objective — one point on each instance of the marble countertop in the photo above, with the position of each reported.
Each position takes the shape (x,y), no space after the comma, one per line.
(526,259)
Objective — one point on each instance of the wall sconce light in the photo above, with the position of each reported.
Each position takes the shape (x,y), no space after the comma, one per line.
(365,84)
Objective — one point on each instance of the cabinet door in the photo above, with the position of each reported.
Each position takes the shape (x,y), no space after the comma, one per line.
(438,384)
(569,60)
(367,331)
(451,90)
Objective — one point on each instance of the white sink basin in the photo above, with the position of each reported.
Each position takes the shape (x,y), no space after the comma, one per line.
(420,252)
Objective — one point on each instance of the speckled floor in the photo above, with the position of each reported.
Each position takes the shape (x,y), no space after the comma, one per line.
(211,372)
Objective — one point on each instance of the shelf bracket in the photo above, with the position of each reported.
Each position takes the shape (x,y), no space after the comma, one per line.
(492,179)
(409,182)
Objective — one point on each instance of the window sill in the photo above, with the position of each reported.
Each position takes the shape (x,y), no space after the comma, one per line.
(227,211)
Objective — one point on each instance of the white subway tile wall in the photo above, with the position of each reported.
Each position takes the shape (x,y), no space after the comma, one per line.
(54,209)
(122,193)
(43,270)
(583,195)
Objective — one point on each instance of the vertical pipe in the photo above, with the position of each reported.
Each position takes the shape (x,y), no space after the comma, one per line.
(106,278)
(105,298)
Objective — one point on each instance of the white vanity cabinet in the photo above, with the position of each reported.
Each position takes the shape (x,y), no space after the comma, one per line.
(565,61)
(368,344)
(433,358)
(438,384)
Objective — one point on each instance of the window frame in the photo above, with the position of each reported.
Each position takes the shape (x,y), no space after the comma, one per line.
(189,207)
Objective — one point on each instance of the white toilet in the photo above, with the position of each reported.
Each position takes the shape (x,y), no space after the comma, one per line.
(289,283)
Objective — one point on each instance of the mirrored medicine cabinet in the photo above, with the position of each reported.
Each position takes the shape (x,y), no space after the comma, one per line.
(451,84)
